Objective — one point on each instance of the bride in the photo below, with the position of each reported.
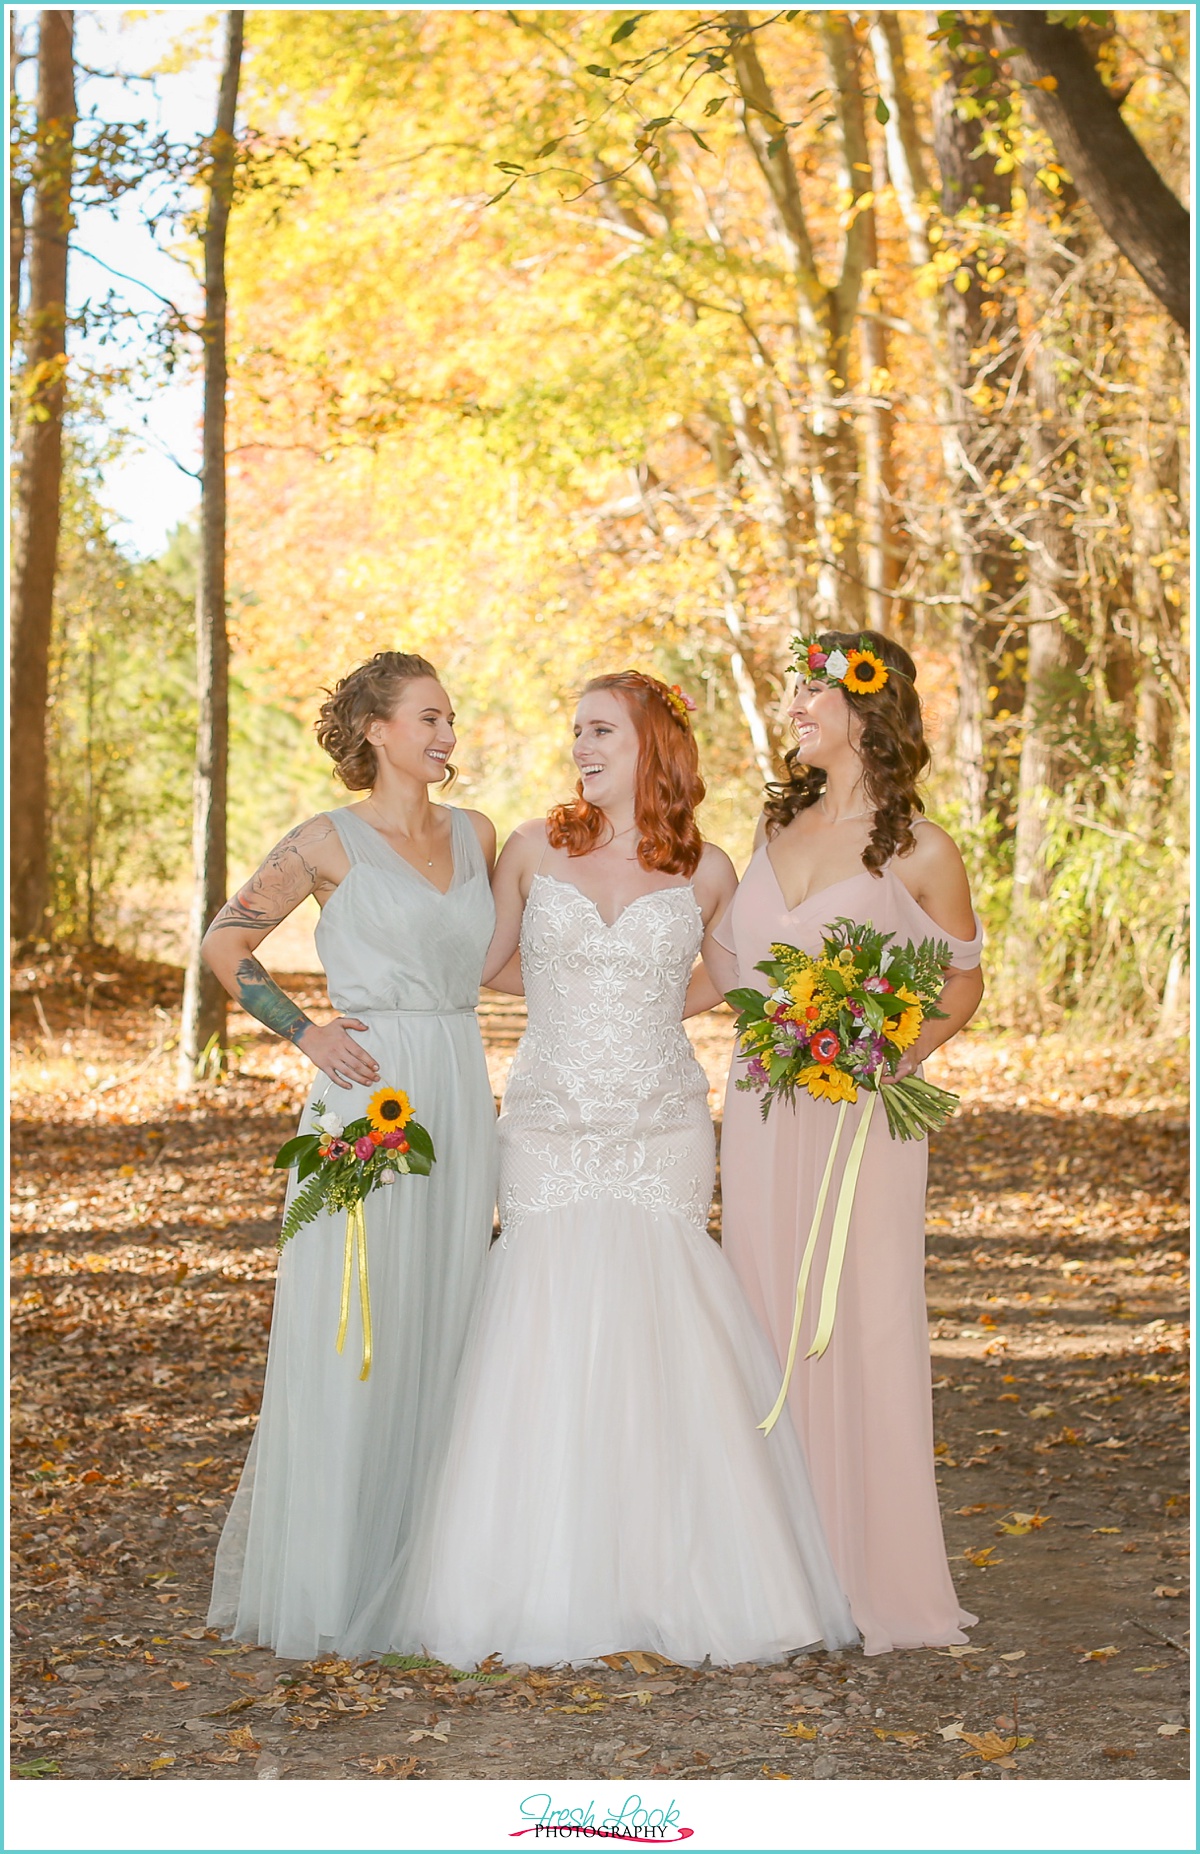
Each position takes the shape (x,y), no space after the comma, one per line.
(606,1487)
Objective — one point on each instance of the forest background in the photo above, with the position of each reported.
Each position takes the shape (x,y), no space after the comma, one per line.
(565,340)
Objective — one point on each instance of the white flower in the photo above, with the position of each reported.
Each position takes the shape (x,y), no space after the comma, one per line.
(331,1125)
(389,1177)
(836,665)
(780,996)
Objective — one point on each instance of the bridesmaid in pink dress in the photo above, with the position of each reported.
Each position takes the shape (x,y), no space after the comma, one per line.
(844,836)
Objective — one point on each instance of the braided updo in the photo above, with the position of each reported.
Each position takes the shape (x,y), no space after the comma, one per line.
(892,749)
(369,693)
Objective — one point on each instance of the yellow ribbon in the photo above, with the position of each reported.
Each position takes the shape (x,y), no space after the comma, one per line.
(841,1225)
(356,1248)
(836,1256)
(802,1283)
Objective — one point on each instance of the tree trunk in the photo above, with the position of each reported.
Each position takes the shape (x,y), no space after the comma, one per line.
(16,190)
(986,571)
(39,475)
(1048,579)
(1106,161)
(204,1000)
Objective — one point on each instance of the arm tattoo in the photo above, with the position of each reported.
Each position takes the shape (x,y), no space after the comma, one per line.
(278,885)
(260,997)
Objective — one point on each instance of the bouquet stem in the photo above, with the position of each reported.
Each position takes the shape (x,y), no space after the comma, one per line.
(915,1107)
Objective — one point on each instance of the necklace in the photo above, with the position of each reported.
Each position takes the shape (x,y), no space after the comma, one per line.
(399,829)
(850,815)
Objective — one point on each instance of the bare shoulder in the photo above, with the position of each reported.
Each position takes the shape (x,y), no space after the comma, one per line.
(715,868)
(714,882)
(524,846)
(935,876)
(314,845)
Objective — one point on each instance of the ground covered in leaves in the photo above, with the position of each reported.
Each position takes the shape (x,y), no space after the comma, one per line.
(144,1224)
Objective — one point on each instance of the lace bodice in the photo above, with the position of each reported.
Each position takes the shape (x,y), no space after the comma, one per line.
(605,1097)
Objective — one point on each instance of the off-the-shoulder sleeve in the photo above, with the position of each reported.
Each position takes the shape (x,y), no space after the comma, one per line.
(965,955)
(722,933)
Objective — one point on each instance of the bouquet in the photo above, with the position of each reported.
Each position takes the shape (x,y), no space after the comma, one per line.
(338,1166)
(834,1024)
(841,1021)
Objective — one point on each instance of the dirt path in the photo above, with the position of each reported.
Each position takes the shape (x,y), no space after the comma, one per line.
(144,1229)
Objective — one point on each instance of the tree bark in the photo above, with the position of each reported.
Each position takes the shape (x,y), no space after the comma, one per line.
(39,476)
(204,999)
(1106,161)
(16,190)
(985,570)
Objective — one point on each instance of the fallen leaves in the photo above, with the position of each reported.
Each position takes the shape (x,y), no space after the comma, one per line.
(900,1737)
(1100,1654)
(800,1730)
(1168,1591)
(1171,1731)
(982,1557)
(992,1748)
(780,1776)
(1019,1524)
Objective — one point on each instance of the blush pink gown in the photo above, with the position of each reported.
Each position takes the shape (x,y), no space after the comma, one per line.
(863,1411)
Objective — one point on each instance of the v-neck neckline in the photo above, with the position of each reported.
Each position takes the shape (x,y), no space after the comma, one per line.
(815,893)
(403,860)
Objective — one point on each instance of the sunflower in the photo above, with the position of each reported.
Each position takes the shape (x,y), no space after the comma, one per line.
(828,1084)
(865,672)
(908,1027)
(389,1108)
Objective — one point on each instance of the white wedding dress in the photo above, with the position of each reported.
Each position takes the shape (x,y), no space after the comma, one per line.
(606,1486)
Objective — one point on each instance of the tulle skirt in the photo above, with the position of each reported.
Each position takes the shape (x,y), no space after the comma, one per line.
(606,1487)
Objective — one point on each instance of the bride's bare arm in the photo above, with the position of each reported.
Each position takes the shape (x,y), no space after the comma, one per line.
(514,871)
(310,860)
(714,883)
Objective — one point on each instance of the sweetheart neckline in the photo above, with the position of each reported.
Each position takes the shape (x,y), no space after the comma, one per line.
(684,888)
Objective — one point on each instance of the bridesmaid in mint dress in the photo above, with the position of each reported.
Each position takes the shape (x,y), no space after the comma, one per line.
(843,836)
(319,1532)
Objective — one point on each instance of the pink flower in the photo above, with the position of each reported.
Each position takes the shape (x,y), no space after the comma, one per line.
(817,659)
(756,1069)
(875,983)
(393,1139)
(363,1148)
(338,1148)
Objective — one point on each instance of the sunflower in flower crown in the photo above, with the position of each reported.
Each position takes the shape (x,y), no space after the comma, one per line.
(865,672)
(860,670)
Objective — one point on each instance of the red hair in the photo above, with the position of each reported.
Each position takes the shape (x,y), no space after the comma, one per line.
(668,785)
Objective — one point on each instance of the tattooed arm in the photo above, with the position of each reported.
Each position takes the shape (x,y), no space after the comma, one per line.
(310,860)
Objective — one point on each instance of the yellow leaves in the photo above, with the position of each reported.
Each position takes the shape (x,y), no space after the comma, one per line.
(800,1730)
(1019,1524)
(992,1748)
(1167,1590)
(1100,1654)
(901,1738)
(162,1763)
(1040,1412)
(780,1776)
(639,1662)
(242,1740)
(983,1557)
(1099,1531)
(1045,83)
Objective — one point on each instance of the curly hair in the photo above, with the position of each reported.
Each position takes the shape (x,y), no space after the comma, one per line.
(369,693)
(892,748)
(668,784)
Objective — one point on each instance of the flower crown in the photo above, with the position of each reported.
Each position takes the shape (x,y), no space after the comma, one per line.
(860,671)
(681,705)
